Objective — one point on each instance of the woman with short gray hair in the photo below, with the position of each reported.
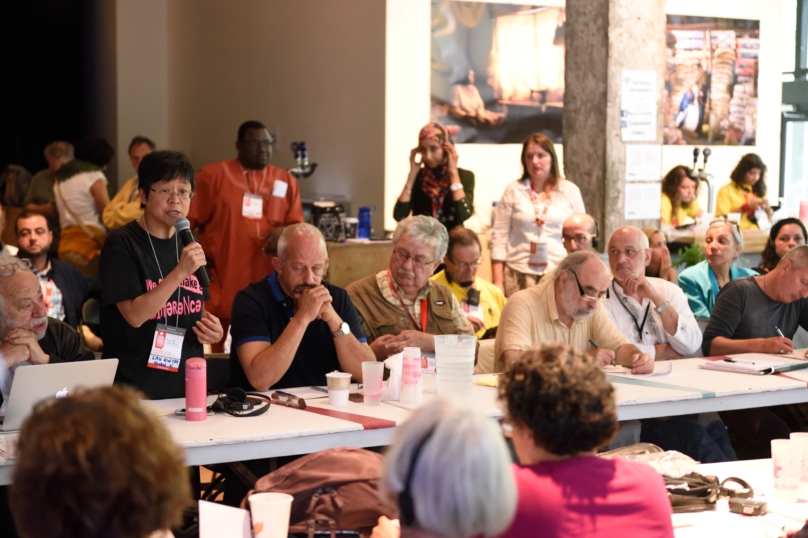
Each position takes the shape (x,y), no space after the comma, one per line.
(450,474)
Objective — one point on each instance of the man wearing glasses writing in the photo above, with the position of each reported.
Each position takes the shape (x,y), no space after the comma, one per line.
(482,302)
(401,307)
(569,309)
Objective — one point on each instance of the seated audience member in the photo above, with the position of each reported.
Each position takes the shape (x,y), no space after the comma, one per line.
(579,232)
(5,250)
(401,307)
(702,282)
(748,317)
(784,235)
(654,315)
(651,312)
(149,287)
(460,275)
(40,197)
(291,328)
(660,265)
(561,410)
(27,335)
(449,472)
(125,206)
(567,308)
(680,191)
(81,195)
(746,193)
(97,464)
(64,288)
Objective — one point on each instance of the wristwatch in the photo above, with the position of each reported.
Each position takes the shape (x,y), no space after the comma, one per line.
(455,187)
(662,307)
(344,330)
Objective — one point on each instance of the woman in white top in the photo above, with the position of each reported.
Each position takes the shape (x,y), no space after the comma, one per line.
(526,238)
(81,195)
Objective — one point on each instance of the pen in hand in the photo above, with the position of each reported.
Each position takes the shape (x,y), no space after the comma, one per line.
(596,346)
(776,328)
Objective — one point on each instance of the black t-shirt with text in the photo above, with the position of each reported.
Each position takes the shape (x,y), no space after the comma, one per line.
(261,312)
(128,270)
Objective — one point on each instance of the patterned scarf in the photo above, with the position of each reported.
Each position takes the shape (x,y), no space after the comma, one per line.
(435,181)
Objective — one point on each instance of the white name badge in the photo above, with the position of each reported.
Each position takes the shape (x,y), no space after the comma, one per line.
(538,257)
(166,351)
(279,188)
(473,311)
(252,206)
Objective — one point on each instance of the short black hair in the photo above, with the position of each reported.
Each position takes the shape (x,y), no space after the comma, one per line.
(138,140)
(164,165)
(94,149)
(27,215)
(246,126)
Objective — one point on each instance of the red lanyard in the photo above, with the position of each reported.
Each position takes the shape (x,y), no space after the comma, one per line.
(535,198)
(424,305)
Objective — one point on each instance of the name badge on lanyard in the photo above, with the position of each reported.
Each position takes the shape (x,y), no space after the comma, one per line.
(166,351)
(252,206)
(473,311)
(538,257)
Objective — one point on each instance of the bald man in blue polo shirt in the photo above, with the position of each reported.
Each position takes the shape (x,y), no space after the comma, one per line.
(291,328)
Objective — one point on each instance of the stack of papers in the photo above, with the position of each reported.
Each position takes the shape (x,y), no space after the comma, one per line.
(8,446)
(756,364)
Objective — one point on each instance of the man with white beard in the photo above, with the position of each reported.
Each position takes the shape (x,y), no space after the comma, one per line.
(27,335)
(567,308)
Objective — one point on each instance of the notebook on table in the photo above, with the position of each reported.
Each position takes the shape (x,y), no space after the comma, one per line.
(755,364)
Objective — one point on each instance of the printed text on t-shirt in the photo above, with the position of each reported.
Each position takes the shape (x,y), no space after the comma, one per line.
(187,305)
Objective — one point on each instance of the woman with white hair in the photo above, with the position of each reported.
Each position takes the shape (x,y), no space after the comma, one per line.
(702,282)
(450,474)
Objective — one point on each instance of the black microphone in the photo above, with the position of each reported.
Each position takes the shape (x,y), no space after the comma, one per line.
(696,152)
(707,153)
(183,228)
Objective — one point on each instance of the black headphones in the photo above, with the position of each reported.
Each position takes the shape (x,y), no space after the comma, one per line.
(596,237)
(406,505)
(235,403)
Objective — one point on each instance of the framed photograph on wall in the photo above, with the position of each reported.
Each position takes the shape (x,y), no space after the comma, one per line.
(711,88)
(497,70)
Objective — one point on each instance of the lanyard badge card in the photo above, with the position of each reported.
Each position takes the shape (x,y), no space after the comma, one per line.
(252,206)
(166,351)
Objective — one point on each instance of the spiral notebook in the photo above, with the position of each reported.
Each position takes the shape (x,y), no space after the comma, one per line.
(755,364)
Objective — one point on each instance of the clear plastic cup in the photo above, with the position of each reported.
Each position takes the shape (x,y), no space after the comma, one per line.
(372,376)
(455,364)
(802,437)
(787,467)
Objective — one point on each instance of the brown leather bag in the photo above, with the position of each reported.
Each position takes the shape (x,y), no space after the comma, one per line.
(334,490)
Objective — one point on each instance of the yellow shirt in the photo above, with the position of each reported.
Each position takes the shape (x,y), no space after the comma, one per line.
(730,198)
(124,206)
(531,318)
(667,216)
(492,300)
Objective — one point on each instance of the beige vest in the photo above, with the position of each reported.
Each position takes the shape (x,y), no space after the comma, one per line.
(382,318)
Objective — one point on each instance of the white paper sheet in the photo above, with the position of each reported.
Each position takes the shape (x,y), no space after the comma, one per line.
(643,200)
(661,369)
(643,162)
(638,105)
(218,520)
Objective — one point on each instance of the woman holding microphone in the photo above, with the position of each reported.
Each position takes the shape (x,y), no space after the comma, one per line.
(153,316)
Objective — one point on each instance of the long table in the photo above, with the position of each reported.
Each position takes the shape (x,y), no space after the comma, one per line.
(284,431)
(722,522)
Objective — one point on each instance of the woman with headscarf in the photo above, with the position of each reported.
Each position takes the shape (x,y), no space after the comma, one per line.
(435,186)
(784,235)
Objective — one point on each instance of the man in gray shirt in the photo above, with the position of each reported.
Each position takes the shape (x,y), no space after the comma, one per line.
(760,314)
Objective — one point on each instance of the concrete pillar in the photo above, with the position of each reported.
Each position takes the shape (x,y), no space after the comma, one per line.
(603,37)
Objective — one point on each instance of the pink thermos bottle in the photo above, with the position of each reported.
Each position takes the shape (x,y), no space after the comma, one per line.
(196,389)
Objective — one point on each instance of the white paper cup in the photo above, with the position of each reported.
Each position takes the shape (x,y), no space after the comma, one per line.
(338,398)
(270,514)
(787,467)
